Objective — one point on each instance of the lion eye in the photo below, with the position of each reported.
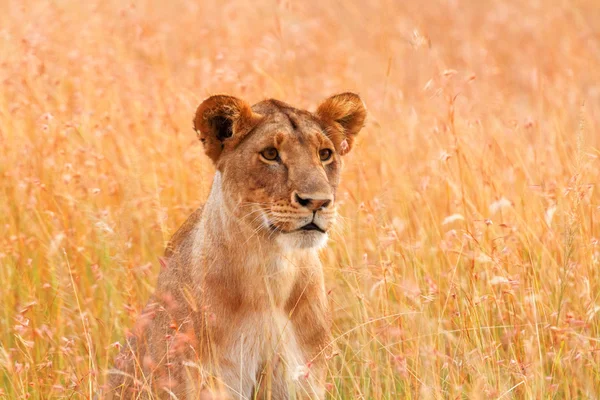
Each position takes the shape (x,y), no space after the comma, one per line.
(270,154)
(325,154)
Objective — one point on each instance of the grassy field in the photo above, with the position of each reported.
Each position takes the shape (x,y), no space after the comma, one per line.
(467,264)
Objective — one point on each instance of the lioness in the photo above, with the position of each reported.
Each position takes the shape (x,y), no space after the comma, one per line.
(240,306)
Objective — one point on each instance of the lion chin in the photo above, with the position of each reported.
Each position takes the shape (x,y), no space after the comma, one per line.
(302,240)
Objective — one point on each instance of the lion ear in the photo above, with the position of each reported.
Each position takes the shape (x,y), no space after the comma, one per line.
(221,121)
(343,116)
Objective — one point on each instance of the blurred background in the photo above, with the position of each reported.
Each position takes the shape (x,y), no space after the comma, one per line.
(467,261)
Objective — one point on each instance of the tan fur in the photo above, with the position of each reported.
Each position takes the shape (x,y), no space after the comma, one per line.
(240,306)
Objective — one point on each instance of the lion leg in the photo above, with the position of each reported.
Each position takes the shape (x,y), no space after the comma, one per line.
(237,366)
(238,378)
(312,330)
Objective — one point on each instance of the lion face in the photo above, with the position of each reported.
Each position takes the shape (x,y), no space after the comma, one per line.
(279,166)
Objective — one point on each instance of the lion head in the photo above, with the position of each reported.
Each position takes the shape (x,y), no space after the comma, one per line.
(279,166)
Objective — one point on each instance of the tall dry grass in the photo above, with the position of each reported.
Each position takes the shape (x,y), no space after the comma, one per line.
(467,264)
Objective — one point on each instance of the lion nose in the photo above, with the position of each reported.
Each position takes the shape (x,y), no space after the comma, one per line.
(313,202)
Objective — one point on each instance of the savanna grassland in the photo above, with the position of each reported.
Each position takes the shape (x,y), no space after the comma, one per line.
(467,261)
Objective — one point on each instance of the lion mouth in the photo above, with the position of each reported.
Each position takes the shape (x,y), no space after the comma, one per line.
(308,227)
(311,227)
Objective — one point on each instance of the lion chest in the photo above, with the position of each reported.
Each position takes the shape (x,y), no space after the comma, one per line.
(275,284)
(271,342)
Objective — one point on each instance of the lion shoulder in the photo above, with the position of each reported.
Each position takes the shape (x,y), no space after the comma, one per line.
(183,237)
